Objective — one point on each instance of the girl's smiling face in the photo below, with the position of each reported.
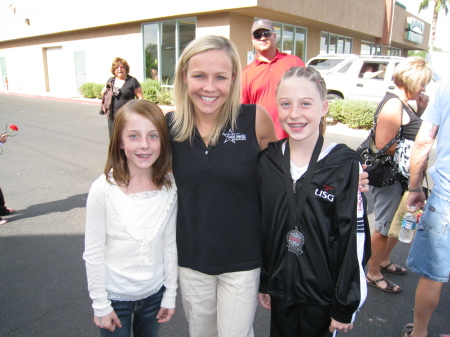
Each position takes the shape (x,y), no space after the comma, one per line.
(300,108)
(141,143)
(209,77)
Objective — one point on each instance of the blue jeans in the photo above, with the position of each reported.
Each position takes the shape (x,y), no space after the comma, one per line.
(430,250)
(144,322)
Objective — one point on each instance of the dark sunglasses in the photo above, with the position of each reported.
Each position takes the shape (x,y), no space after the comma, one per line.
(258,36)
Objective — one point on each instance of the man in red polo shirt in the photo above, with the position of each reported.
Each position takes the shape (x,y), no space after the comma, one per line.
(260,78)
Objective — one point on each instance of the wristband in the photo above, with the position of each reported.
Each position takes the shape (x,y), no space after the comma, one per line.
(418,189)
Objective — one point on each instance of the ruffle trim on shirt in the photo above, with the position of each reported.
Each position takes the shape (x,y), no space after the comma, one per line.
(144,195)
(116,297)
(155,229)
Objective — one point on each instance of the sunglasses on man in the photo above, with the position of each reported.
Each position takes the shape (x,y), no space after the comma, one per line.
(258,35)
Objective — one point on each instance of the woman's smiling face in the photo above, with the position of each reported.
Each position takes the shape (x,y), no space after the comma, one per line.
(209,78)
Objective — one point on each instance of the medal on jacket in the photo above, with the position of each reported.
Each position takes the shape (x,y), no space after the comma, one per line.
(295,239)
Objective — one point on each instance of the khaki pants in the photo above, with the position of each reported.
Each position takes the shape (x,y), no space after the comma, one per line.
(396,223)
(219,305)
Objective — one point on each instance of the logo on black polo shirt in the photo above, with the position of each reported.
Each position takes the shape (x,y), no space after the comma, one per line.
(326,193)
(230,136)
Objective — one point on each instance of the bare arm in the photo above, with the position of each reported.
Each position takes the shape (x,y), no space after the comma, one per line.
(418,164)
(138,93)
(389,121)
(265,130)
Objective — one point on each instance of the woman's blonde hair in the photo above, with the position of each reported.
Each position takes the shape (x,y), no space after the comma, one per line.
(115,64)
(184,117)
(116,166)
(314,77)
(411,73)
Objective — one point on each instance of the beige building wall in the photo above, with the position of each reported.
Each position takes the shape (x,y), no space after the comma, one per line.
(28,71)
(103,30)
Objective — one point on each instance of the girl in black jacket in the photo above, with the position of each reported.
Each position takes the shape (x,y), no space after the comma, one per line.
(313,218)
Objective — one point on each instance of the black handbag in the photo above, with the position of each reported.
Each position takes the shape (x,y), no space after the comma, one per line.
(380,167)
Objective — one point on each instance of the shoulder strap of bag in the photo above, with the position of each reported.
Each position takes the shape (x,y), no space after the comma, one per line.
(386,98)
(384,149)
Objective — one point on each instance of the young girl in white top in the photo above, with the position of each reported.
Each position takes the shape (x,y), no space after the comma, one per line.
(130,252)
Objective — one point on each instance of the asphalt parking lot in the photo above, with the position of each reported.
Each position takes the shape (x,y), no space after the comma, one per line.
(45,174)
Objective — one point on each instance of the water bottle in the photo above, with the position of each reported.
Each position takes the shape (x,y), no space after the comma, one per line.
(408,226)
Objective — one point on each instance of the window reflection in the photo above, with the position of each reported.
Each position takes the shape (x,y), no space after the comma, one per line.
(335,44)
(164,42)
(290,39)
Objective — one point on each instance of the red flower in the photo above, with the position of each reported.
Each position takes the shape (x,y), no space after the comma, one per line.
(12,128)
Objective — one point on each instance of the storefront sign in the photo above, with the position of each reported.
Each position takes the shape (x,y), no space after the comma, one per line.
(414,30)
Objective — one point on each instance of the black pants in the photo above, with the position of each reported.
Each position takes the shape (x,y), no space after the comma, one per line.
(290,319)
(110,127)
(3,210)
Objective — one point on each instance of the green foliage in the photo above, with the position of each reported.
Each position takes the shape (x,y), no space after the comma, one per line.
(91,90)
(151,62)
(165,96)
(421,53)
(356,114)
(154,92)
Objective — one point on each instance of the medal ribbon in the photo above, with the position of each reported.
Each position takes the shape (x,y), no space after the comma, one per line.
(296,212)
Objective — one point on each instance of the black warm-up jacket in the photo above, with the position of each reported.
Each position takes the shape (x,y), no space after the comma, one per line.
(337,237)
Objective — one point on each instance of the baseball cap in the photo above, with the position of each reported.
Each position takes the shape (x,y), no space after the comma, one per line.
(262,24)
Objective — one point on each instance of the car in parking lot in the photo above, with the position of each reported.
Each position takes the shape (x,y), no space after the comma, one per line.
(362,77)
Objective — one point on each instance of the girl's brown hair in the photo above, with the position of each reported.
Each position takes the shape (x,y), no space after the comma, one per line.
(116,164)
(314,77)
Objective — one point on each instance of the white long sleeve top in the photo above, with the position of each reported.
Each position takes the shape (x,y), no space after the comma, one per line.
(130,247)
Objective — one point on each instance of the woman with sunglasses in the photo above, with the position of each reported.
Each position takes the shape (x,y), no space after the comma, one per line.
(124,88)
(260,78)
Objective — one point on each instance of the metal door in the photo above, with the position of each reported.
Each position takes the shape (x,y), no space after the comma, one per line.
(80,69)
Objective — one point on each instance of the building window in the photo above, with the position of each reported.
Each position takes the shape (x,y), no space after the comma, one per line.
(164,41)
(370,48)
(394,51)
(290,39)
(335,44)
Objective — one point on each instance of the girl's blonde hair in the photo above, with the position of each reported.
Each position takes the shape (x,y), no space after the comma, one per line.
(183,120)
(116,166)
(411,73)
(314,77)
